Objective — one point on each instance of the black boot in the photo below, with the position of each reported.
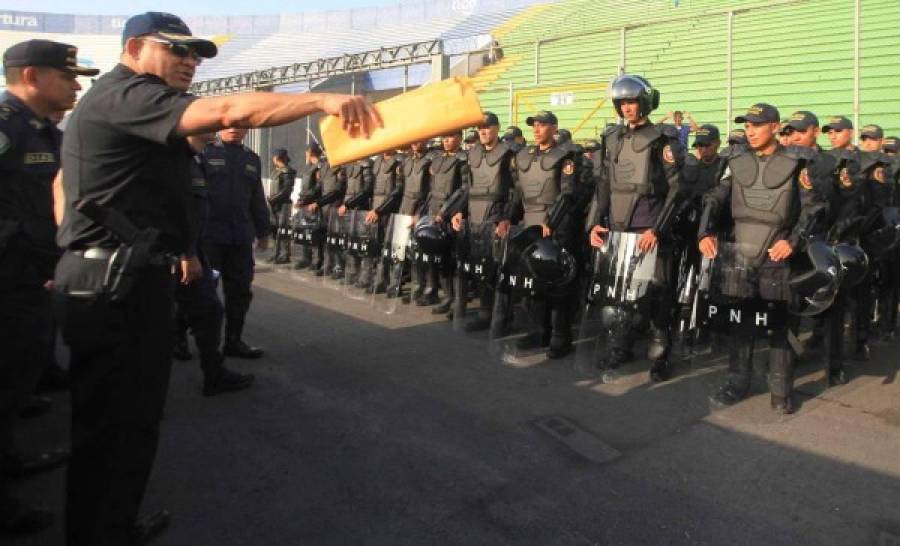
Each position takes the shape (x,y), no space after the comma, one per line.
(660,370)
(740,370)
(239,349)
(781,379)
(218,379)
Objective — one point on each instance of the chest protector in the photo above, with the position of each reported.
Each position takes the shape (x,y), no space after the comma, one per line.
(415,169)
(539,176)
(385,171)
(630,170)
(762,196)
(331,181)
(445,176)
(308,175)
(488,180)
(355,179)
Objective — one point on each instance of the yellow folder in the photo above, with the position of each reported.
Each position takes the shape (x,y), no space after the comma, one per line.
(429,111)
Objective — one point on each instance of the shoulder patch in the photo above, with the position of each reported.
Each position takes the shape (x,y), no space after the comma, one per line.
(5,143)
(878,174)
(568,167)
(668,155)
(844,177)
(805,183)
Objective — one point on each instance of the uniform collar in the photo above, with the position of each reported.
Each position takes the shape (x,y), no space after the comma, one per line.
(31,117)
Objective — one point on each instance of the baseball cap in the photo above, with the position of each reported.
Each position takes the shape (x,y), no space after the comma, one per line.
(513,132)
(544,116)
(802,120)
(706,134)
(838,123)
(490,118)
(737,136)
(871,131)
(760,113)
(169,27)
(46,53)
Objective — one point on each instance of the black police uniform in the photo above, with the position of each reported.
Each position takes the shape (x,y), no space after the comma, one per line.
(416,180)
(312,189)
(482,199)
(357,197)
(334,186)
(199,307)
(280,203)
(122,153)
(29,160)
(545,193)
(778,200)
(641,189)
(387,193)
(238,214)
(449,173)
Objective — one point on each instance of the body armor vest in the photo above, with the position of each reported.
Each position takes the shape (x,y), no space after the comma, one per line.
(539,180)
(356,179)
(279,177)
(880,187)
(630,171)
(385,172)
(331,179)
(489,183)
(762,195)
(700,175)
(309,178)
(445,177)
(415,171)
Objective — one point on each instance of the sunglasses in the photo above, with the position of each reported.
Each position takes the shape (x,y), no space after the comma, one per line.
(179,50)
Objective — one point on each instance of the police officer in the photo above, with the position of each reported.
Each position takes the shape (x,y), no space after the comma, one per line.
(357,197)
(844,190)
(386,196)
(312,189)
(514,138)
(129,168)
(416,178)
(449,173)
(198,304)
(280,202)
(40,79)
(483,199)
(776,209)
(333,182)
(546,177)
(639,192)
(237,215)
(890,146)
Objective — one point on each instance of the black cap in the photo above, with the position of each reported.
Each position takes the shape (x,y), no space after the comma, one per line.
(838,123)
(706,134)
(490,118)
(169,27)
(802,120)
(513,132)
(890,144)
(871,131)
(544,116)
(760,113)
(46,53)
(737,136)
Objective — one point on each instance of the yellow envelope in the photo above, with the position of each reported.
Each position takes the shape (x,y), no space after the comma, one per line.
(429,111)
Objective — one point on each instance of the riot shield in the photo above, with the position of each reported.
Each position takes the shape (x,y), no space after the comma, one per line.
(685,326)
(621,278)
(308,228)
(395,251)
(362,245)
(476,266)
(336,238)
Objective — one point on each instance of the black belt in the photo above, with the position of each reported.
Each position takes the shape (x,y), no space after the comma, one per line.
(102,253)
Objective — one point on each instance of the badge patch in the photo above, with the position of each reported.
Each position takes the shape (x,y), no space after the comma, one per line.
(878,174)
(569,168)
(844,177)
(804,180)
(668,155)
(5,144)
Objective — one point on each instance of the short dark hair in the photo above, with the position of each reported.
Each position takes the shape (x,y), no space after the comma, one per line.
(314,149)
(13,74)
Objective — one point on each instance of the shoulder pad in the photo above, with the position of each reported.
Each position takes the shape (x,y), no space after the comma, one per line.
(646,135)
(612,129)
(800,152)
(555,155)
(462,156)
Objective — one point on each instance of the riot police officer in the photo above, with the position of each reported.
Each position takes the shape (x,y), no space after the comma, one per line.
(40,79)
(639,192)
(357,197)
(198,305)
(238,215)
(280,202)
(482,200)
(546,178)
(776,210)
(312,189)
(514,138)
(416,178)
(386,196)
(449,173)
(333,182)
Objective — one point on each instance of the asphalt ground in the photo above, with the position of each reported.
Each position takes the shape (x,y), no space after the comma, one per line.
(374,423)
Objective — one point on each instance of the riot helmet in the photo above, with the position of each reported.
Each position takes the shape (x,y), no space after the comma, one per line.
(854,263)
(815,284)
(549,263)
(630,86)
(431,237)
(886,234)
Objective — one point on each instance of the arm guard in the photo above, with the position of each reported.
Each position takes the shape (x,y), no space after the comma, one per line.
(454,203)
